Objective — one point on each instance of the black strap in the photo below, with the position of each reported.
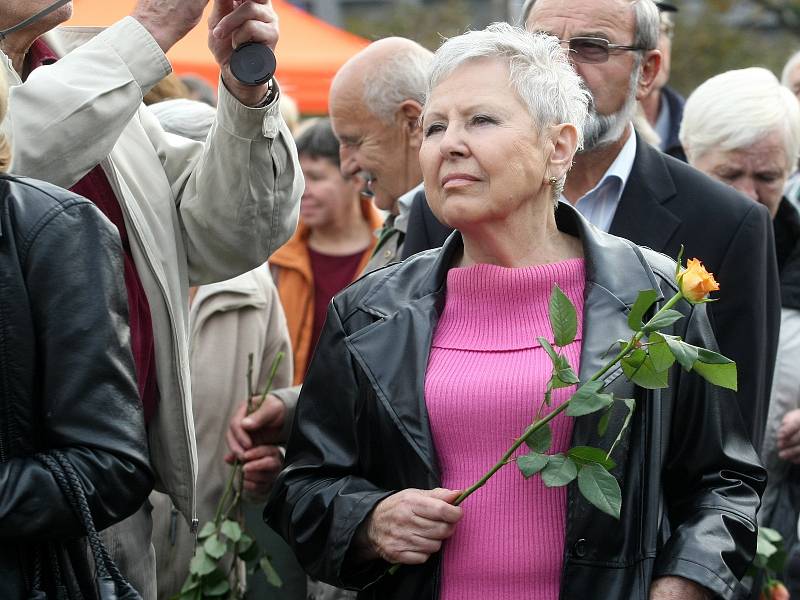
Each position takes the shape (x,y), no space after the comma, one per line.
(111,583)
(42,13)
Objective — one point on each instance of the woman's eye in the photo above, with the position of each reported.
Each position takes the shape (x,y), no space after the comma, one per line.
(483,120)
(433,128)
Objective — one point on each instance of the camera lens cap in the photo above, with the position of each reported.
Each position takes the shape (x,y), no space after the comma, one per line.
(253,63)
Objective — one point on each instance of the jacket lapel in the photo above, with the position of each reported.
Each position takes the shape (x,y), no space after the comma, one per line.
(400,384)
(642,215)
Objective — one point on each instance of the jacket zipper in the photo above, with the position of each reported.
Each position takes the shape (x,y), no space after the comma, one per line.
(112,176)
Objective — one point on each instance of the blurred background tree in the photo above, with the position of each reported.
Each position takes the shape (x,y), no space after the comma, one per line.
(711,36)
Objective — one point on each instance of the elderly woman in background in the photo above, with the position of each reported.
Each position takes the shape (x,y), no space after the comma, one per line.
(743,128)
(426,370)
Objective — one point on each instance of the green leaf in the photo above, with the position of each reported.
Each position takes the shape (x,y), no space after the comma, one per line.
(231,530)
(215,547)
(712,358)
(541,439)
(721,375)
(563,318)
(770,535)
(566,377)
(218,589)
(660,353)
(662,319)
(247,549)
(765,548)
(560,470)
(584,455)
(644,301)
(190,584)
(206,531)
(554,357)
(638,367)
(201,564)
(631,404)
(272,575)
(602,424)
(532,463)
(684,353)
(601,489)
(587,400)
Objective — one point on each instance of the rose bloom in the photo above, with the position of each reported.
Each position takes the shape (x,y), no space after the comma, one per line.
(776,592)
(695,282)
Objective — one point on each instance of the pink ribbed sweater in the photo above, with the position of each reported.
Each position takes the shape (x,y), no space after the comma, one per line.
(486,377)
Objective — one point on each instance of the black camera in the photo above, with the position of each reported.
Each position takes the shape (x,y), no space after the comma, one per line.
(253,63)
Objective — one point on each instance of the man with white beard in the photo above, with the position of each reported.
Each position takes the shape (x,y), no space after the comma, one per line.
(624,186)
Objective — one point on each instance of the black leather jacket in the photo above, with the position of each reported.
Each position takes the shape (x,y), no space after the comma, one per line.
(690,479)
(66,372)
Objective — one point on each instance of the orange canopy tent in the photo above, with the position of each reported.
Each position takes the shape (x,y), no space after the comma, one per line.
(309,52)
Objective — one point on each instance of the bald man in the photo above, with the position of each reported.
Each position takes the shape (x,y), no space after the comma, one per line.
(375,102)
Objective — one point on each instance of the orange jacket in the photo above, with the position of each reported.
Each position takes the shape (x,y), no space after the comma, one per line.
(291,268)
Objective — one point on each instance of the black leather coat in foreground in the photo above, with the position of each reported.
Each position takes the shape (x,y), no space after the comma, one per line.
(690,478)
(66,372)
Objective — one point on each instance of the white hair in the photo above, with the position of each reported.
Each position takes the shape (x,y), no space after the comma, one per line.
(539,72)
(733,110)
(647,22)
(790,66)
(400,78)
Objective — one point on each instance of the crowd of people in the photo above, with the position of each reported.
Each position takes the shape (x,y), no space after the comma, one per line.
(163,242)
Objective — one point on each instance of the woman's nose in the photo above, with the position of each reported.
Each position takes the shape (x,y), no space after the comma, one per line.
(748,187)
(453,144)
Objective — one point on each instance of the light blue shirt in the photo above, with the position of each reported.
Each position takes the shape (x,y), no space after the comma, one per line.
(600,203)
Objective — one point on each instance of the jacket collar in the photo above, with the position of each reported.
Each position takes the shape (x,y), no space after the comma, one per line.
(643,207)
(408,305)
(613,264)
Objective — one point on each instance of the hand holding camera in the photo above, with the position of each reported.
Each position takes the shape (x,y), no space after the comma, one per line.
(233,23)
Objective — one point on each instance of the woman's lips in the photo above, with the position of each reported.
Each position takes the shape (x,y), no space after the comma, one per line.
(455,180)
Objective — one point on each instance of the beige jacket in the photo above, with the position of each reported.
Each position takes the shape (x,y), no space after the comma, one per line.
(195,213)
(227,321)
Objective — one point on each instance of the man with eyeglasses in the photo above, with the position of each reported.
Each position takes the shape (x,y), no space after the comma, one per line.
(626,187)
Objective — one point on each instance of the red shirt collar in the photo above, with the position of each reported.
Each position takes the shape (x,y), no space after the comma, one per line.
(39,54)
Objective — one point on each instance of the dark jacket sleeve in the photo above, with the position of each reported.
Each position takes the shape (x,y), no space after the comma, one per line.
(747,320)
(424,231)
(320,499)
(84,376)
(712,490)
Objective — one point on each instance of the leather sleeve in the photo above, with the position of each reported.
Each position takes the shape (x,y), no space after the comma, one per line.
(713,481)
(319,500)
(90,407)
(747,321)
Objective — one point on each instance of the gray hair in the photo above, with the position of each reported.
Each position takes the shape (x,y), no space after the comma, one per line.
(647,24)
(400,78)
(790,66)
(539,71)
(733,110)
(188,118)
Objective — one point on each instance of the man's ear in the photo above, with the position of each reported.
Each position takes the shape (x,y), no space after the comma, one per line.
(409,114)
(651,65)
(564,140)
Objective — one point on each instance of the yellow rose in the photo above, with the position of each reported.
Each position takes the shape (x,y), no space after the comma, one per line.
(695,282)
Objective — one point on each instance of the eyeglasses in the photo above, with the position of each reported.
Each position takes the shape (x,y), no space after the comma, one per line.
(595,50)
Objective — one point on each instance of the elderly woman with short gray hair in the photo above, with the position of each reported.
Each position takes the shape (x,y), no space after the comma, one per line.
(426,370)
(743,128)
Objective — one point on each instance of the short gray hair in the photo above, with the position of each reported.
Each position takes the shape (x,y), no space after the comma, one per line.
(647,22)
(790,65)
(733,110)
(187,118)
(400,78)
(539,71)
